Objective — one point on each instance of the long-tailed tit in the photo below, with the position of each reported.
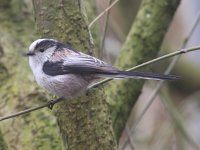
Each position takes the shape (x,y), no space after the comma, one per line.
(65,72)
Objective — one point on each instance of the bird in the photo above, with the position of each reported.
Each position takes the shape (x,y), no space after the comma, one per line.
(65,72)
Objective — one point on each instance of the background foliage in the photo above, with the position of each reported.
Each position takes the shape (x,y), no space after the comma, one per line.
(172,120)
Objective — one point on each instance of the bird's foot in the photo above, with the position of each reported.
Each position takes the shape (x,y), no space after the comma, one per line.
(51,103)
(87,92)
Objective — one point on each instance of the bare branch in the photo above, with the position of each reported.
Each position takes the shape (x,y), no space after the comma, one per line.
(23,112)
(128,131)
(182,51)
(49,105)
(102,13)
(105,27)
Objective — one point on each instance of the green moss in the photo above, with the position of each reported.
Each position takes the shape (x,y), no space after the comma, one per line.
(142,44)
(3,145)
(85,122)
(18,90)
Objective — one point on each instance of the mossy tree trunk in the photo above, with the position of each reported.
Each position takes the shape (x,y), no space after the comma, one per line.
(18,90)
(3,145)
(84,122)
(142,44)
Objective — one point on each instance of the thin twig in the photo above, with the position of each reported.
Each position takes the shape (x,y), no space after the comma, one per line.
(102,13)
(176,119)
(128,131)
(105,27)
(191,31)
(48,104)
(23,112)
(182,51)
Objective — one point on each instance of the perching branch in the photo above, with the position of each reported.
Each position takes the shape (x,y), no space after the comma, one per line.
(182,51)
(23,112)
(48,104)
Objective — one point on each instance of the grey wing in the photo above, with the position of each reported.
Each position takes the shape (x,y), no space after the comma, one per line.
(87,65)
(79,64)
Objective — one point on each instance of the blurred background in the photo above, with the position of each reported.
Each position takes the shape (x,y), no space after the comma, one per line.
(172,120)
(164,125)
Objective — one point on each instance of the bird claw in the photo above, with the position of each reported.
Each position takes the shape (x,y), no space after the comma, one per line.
(87,92)
(51,103)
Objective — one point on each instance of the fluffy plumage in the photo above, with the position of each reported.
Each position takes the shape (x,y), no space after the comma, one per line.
(66,72)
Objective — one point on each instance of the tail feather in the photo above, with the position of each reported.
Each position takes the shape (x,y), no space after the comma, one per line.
(145,75)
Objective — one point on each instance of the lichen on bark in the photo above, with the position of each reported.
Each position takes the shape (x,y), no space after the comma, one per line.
(143,43)
(3,145)
(84,122)
(17,88)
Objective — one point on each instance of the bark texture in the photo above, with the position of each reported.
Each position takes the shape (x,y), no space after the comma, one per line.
(84,122)
(142,44)
(3,145)
(18,91)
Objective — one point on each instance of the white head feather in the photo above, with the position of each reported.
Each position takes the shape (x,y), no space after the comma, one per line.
(39,58)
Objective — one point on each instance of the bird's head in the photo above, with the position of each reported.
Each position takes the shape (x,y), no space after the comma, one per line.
(41,50)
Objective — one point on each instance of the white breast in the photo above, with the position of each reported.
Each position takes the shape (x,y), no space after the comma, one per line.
(62,85)
(68,85)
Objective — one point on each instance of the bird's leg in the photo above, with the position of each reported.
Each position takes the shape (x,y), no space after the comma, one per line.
(51,103)
(87,92)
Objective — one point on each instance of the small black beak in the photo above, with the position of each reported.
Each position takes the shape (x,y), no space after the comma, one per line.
(30,54)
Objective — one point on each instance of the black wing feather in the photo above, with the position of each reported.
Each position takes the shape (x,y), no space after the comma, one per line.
(87,65)
(57,68)
(148,75)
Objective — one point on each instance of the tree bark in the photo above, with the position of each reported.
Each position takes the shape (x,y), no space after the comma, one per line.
(84,122)
(3,145)
(18,90)
(142,44)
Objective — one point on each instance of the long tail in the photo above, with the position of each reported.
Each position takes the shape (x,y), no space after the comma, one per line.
(145,75)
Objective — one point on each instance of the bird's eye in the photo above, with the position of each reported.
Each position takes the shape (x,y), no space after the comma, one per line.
(41,50)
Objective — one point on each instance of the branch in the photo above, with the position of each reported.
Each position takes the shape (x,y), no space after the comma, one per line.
(105,27)
(102,13)
(48,104)
(182,51)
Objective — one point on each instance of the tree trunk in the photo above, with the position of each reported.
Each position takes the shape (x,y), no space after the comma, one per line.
(142,44)
(84,122)
(3,145)
(18,91)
